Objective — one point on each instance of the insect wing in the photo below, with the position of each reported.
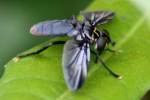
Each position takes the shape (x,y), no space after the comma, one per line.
(53,27)
(98,17)
(75,63)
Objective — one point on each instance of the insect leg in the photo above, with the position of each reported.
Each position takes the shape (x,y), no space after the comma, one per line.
(41,49)
(110,50)
(109,70)
(112,42)
(105,66)
(96,54)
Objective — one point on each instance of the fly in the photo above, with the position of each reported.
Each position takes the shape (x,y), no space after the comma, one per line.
(76,53)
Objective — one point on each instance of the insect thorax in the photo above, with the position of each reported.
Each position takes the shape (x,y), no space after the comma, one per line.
(85,33)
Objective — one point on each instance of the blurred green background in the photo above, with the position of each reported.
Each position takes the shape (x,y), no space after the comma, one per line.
(17,16)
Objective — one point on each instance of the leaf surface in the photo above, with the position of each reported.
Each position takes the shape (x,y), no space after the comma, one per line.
(40,77)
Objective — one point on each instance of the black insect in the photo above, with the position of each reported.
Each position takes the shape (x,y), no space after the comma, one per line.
(76,55)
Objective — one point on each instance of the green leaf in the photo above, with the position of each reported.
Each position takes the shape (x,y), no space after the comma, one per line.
(40,77)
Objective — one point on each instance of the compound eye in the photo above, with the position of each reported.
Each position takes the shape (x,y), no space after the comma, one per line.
(104,33)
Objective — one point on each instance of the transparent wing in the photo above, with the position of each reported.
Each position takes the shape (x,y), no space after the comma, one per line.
(98,17)
(75,63)
(53,28)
